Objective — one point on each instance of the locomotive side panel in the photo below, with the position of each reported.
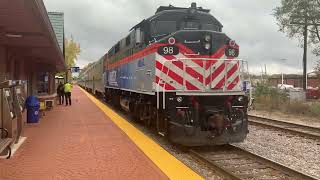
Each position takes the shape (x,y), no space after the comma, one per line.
(144,73)
(136,75)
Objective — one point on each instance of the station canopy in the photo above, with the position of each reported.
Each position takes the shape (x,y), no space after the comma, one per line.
(25,28)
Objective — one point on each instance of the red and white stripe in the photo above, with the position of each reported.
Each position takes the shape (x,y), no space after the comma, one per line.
(196,74)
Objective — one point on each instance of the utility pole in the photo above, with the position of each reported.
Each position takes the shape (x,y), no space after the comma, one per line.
(305,51)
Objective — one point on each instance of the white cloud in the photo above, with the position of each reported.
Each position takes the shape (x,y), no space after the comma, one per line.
(98,24)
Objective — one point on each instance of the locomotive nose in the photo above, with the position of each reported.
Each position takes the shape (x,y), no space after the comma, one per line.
(203,42)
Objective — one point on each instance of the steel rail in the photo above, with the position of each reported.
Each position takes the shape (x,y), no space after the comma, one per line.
(235,163)
(298,129)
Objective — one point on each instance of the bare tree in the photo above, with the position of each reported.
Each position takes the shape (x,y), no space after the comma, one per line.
(301,19)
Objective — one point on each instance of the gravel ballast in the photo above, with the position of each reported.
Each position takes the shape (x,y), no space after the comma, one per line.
(298,153)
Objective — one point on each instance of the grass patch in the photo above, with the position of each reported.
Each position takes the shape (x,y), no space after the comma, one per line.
(272,99)
(315,109)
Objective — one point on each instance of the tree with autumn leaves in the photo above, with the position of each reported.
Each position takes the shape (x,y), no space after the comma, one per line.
(72,52)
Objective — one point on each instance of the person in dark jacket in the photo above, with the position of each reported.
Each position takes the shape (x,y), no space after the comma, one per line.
(60,92)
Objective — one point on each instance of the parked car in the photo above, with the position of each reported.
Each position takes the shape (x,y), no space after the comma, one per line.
(313,93)
(285,86)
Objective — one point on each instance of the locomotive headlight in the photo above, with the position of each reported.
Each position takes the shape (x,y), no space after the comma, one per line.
(207,46)
(207,38)
(179,99)
(240,98)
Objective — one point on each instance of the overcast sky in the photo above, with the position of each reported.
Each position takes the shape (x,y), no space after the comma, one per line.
(98,24)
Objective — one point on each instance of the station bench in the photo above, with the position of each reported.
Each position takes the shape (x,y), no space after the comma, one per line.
(5,142)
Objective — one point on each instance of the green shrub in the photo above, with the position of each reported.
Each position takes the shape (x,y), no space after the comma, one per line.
(268,98)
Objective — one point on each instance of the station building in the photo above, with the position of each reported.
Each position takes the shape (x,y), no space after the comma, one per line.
(31,46)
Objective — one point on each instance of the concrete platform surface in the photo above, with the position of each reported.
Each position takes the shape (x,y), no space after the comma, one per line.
(78,142)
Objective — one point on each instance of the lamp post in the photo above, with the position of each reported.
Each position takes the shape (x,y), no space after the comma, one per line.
(283,60)
(307,79)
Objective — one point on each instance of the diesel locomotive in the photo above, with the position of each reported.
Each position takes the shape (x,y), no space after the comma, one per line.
(178,73)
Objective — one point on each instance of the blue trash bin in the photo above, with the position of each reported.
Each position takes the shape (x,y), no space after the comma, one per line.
(33,107)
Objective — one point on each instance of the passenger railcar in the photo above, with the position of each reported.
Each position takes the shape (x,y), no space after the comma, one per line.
(177,72)
(91,77)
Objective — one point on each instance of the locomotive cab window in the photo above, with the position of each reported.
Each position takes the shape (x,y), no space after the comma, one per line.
(128,40)
(117,48)
(162,28)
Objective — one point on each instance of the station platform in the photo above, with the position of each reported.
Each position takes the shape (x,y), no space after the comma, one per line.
(89,141)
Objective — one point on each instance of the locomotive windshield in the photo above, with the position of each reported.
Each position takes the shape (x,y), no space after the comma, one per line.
(190,25)
(166,22)
(163,28)
(197,25)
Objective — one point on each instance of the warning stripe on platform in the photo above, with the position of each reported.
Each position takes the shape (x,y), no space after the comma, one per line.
(168,164)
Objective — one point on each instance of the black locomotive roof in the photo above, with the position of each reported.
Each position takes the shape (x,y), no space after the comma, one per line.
(170,12)
(170,7)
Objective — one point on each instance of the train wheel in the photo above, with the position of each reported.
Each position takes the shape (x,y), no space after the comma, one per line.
(135,114)
(153,116)
(147,115)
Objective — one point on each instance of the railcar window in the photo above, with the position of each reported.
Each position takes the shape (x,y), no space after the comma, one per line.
(128,40)
(160,28)
(117,47)
(111,52)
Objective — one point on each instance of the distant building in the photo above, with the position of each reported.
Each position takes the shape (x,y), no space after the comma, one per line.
(57,21)
(295,80)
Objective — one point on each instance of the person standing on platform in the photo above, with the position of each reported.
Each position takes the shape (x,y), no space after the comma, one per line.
(67,92)
(60,92)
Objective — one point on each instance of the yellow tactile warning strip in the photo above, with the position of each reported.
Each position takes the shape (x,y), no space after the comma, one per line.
(168,164)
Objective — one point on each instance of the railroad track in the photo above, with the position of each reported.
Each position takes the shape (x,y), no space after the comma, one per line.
(235,163)
(286,126)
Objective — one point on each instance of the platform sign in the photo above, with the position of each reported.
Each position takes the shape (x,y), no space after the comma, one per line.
(246,86)
(75,69)
(74,72)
